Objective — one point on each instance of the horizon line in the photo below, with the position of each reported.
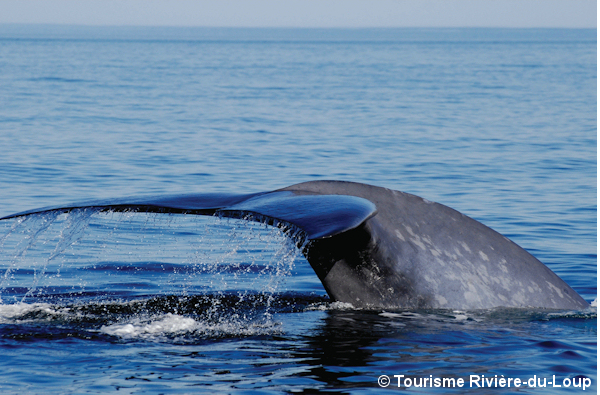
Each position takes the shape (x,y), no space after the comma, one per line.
(51,24)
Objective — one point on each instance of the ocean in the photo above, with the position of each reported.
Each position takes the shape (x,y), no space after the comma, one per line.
(499,124)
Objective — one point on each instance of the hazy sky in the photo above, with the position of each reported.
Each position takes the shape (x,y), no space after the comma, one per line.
(305,13)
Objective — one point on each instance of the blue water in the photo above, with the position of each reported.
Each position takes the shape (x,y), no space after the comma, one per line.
(499,124)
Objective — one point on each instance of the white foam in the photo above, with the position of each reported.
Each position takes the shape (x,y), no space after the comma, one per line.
(331,306)
(155,328)
(168,324)
(12,312)
(341,306)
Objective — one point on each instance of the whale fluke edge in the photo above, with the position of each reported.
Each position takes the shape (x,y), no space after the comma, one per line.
(374,247)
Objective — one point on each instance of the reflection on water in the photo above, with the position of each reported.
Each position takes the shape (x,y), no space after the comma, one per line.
(234,306)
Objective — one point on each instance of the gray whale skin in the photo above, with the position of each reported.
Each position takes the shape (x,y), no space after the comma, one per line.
(378,248)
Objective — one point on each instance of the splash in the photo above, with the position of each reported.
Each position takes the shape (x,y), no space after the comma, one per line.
(230,273)
(20,312)
(166,324)
(36,230)
(181,328)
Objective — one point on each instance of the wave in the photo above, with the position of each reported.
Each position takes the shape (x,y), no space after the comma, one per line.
(185,319)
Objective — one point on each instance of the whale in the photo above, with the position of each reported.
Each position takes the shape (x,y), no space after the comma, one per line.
(377,248)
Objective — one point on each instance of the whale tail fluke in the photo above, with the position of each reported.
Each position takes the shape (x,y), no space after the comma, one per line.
(380,248)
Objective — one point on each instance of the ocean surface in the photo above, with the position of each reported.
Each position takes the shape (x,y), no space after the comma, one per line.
(499,124)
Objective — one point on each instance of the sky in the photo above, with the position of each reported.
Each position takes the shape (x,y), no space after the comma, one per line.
(304,13)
